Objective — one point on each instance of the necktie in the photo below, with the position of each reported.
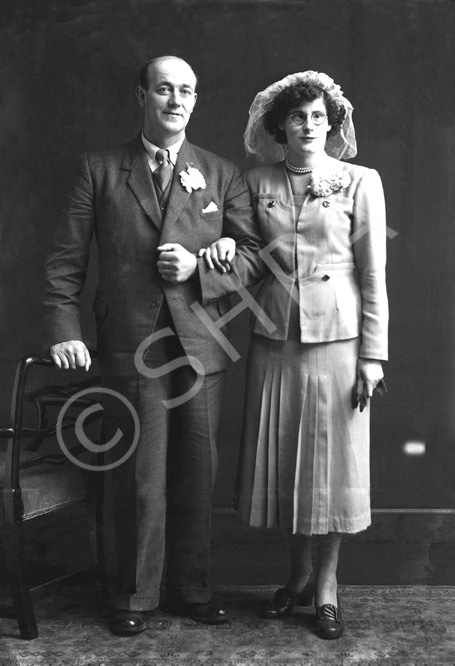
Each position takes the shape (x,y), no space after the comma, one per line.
(162,175)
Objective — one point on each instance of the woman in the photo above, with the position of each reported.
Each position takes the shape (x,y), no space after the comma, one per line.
(305,447)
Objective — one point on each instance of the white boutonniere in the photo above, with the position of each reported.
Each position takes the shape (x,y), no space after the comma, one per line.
(192,178)
(324,182)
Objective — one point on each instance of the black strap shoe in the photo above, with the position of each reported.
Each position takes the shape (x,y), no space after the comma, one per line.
(126,622)
(284,601)
(329,622)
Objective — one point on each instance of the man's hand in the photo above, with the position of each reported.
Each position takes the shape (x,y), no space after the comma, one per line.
(219,254)
(70,354)
(175,264)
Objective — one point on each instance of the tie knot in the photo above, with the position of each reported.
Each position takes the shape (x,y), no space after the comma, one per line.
(162,156)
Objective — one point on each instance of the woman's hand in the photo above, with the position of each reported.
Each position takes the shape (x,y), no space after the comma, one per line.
(219,254)
(369,374)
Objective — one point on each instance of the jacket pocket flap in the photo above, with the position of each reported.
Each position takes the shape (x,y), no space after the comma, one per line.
(211,215)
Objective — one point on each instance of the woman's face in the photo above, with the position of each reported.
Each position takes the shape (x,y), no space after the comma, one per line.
(308,138)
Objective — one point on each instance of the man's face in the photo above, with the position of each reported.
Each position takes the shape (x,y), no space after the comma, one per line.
(168,101)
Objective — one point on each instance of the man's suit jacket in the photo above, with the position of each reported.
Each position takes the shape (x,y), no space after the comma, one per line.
(113,196)
(335,252)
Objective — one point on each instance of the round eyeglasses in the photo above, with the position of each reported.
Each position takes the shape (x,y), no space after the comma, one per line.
(298,117)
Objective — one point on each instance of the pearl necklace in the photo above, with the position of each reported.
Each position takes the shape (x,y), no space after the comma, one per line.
(296,169)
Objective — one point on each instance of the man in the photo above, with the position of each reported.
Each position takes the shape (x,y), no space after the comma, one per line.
(153,203)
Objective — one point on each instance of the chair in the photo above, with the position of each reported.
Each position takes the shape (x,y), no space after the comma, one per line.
(34,482)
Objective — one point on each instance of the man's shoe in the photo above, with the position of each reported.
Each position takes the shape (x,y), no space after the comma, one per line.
(209,613)
(126,622)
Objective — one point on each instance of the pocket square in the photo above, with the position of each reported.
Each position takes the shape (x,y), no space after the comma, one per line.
(210,208)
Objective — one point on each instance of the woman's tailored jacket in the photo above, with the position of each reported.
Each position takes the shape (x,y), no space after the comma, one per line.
(329,263)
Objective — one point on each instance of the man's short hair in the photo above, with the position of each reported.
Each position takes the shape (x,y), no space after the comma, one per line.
(144,72)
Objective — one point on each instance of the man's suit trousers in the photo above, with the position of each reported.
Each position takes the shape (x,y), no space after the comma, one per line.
(163,492)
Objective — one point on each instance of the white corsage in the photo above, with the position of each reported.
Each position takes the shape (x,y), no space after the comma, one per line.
(324,182)
(192,178)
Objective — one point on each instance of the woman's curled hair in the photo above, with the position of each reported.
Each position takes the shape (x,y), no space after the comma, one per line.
(292,97)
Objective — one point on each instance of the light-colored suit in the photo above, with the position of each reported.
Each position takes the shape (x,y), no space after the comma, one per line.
(163,491)
(331,261)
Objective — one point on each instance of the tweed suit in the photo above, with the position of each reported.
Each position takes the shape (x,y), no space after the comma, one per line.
(166,485)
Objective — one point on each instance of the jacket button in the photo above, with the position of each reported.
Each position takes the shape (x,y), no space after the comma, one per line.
(326,277)
(271,204)
(326,204)
(154,304)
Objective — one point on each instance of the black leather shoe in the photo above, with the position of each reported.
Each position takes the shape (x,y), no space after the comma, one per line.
(126,622)
(209,613)
(329,622)
(284,601)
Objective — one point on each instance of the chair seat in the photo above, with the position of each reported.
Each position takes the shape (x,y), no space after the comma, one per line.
(46,487)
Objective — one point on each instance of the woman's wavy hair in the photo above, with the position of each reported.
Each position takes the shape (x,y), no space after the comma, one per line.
(291,98)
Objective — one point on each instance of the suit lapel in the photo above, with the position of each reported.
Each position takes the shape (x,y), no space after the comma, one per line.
(140,181)
(178,195)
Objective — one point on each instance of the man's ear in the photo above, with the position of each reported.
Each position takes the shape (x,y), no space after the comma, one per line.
(140,95)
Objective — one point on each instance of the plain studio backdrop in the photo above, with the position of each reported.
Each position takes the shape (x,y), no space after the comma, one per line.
(68,70)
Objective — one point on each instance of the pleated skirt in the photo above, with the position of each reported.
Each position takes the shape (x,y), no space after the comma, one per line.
(304,460)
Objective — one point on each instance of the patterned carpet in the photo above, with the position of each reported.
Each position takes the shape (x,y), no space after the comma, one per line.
(386,626)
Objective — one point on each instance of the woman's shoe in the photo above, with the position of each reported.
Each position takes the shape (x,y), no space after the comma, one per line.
(284,601)
(329,622)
